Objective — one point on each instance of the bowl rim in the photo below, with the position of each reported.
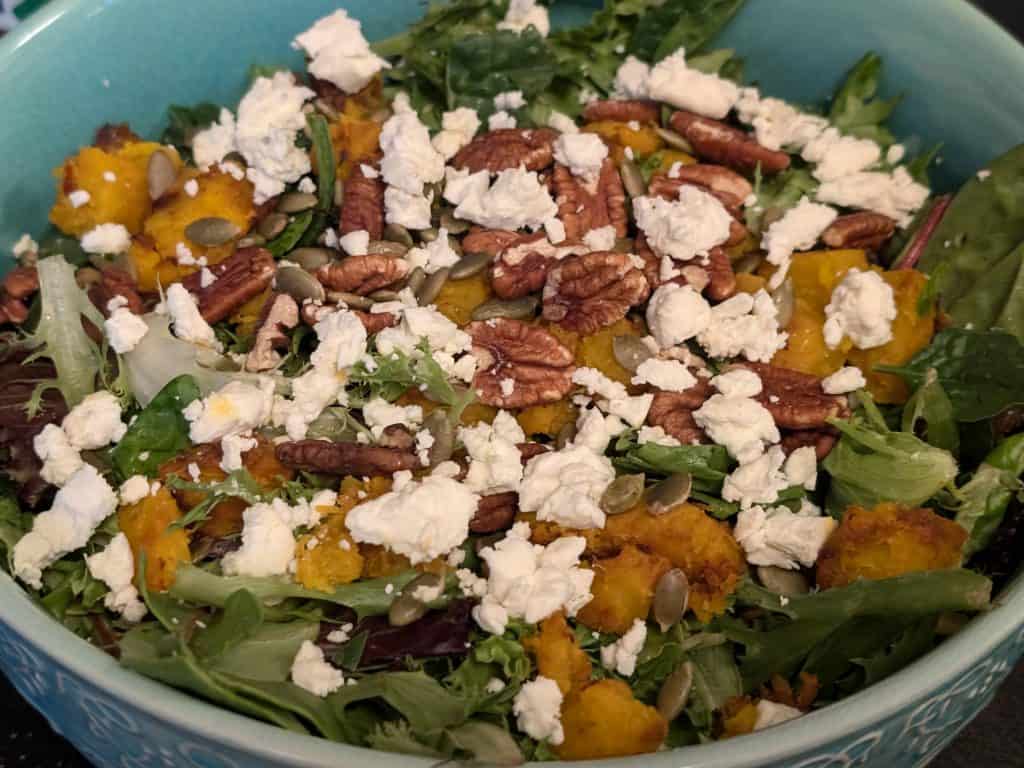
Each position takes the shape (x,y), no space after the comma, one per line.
(871,707)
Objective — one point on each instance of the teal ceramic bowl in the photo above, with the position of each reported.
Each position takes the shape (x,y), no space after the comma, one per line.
(78,64)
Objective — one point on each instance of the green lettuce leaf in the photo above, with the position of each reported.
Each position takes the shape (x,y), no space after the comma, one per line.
(675,24)
(855,110)
(158,433)
(929,413)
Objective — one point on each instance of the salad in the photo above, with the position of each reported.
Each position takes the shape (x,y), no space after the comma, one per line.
(503,392)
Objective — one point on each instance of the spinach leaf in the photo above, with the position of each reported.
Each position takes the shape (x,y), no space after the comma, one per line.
(980,371)
(420,699)
(716,679)
(242,615)
(929,413)
(675,24)
(13,523)
(323,155)
(159,432)
(855,110)
(267,653)
(984,499)
(183,123)
(707,463)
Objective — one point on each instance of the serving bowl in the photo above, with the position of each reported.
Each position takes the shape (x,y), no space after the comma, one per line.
(80,63)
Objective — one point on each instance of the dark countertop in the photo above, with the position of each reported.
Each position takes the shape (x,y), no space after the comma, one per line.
(993,740)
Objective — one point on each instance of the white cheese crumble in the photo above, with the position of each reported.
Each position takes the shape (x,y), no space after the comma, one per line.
(409,162)
(355,243)
(235,408)
(777,125)
(107,238)
(61,460)
(501,120)
(187,321)
(668,375)
(769,713)
(495,464)
(339,53)
(656,435)
(311,671)
(613,397)
(562,122)
(797,230)
(600,239)
(895,194)
(838,156)
(675,83)
(742,425)
(457,129)
(780,537)
(435,255)
(801,467)
(24,246)
(862,308)
(515,200)
(78,198)
(684,228)
(526,13)
(509,100)
(565,486)
(134,490)
(191,186)
(232,447)
(738,382)
(495,685)
(594,430)
(124,330)
(631,79)
(676,313)
(379,414)
(846,379)
(95,422)
(213,144)
(538,710)
(582,153)
(115,566)
(621,655)
(744,325)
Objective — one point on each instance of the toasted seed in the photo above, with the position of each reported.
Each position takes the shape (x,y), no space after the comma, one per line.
(415,279)
(440,428)
(124,262)
(299,284)
(386,248)
(250,240)
(384,294)
(565,435)
(296,202)
(86,277)
(455,245)
(632,179)
(396,233)
(622,494)
(630,351)
(671,596)
(514,309)
(782,582)
(211,231)
(405,610)
(771,215)
(428,235)
(469,265)
(312,258)
(675,692)
(350,300)
(785,299)
(453,225)
(272,225)
(670,492)
(673,139)
(339,192)
(160,174)
(748,263)
(432,286)
(624,245)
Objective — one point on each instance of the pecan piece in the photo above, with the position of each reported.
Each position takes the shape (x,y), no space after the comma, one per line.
(586,293)
(116,282)
(673,412)
(344,458)
(622,111)
(721,278)
(281,314)
(538,364)
(821,440)
(523,267)
(864,229)
(726,145)
(489,241)
(244,274)
(728,186)
(111,136)
(583,207)
(18,285)
(508,148)
(363,275)
(795,399)
(528,450)
(376,321)
(363,205)
(495,512)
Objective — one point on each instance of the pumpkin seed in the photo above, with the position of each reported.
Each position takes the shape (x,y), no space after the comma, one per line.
(339,193)
(782,582)
(565,435)
(632,179)
(432,286)
(384,294)
(124,262)
(675,140)
(415,279)
(386,248)
(950,623)
(406,609)
(671,596)
(622,494)
(396,233)
(453,225)
(624,245)
(747,263)
(272,225)
(514,309)
(669,493)
(440,428)
(296,202)
(771,214)
(312,259)
(350,300)
(211,231)
(785,299)
(250,240)
(86,277)
(629,351)
(469,265)
(160,174)
(675,692)
(299,284)
(428,235)
(455,245)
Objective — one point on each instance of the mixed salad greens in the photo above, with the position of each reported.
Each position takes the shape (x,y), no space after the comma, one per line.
(298,417)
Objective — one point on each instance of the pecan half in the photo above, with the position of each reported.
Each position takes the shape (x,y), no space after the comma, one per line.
(528,450)
(864,229)
(376,321)
(18,285)
(673,412)
(495,512)
(721,278)
(244,274)
(622,111)
(344,458)
(363,275)
(538,364)
(586,293)
(397,436)
(490,241)
(363,205)
(795,399)
(508,148)
(523,267)
(583,207)
(110,136)
(664,187)
(725,184)
(821,440)
(116,282)
(281,314)
(721,143)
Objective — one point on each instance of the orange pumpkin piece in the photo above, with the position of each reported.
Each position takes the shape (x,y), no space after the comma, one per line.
(145,524)
(739,716)
(379,561)
(557,654)
(600,543)
(474,413)
(749,283)
(595,350)
(643,140)
(669,157)
(623,589)
(603,719)
(458,298)
(334,558)
(547,419)
(886,541)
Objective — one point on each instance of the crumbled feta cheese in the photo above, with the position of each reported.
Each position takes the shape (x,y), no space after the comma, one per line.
(684,228)
(595,430)
(895,194)
(538,710)
(312,392)
(213,144)
(526,13)
(378,414)
(675,83)
(268,544)
(757,480)
(797,230)
(582,153)
(235,408)
(515,200)
(418,323)
(838,156)
(115,566)
(311,671)
(341,343)
(668,375)
(457,129)
(555,230)
(862,308)
(79,507)
(78,198)
(895,153)
(738,382)
(781,538)
(631,79)
(61,460)
(531,581)
(25,246)
(406,209)
(495,463)
(233,446)
(562,122)
(621,655)
(355,243)
(744,325)
(188,323)
(983,174)
(614,397)
(419,519)
(501,120)
(676,313)
(769,713)
(565,486)
(134,490)
(95,422)
(494,685)
(107,238)
(339,635)
(509,100)
(435,255)
(741,424)
(409,161)
(777,125)
(600,239)
(339,53)
(124,330)
(801,467)
(656,435)
(191,186)
(846,379)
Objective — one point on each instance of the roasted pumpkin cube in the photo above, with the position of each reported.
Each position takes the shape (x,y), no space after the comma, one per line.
(595,350)
(328,555)
(380,561)
(547,419)
(669,157)
(557,653)
(146,525)
(643,139)
(600,543)
(474,413)
(458,298)
(623,589)
(603,719)
(805,348)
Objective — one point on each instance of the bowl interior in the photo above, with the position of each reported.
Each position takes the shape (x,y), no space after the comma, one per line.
(79,64)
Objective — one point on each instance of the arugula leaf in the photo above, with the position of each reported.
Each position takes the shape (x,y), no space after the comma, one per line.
(239,484)
(980,371)
(183,123)
(323,155)
(675,24)
(777,194)
(487,743)
(158,433)
(855,110)
(915,641)
(494,656)
(930,406)
(397,736)
(863,636)
(389,376)
(983,501)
